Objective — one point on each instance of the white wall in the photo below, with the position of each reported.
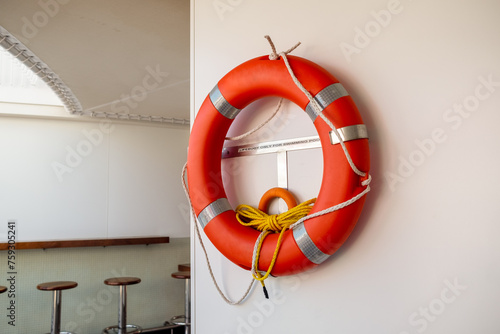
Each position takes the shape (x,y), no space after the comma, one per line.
(424,255)
(66,179)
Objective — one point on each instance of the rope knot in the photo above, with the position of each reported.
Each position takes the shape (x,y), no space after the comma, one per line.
(367,181)
(274,54)
(272,223)
(261,221)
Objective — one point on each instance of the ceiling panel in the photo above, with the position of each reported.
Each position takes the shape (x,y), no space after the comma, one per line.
(116,56)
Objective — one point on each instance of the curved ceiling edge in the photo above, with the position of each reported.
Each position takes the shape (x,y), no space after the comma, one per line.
(35,64)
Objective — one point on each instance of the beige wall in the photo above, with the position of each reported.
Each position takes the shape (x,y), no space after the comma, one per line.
(425,76)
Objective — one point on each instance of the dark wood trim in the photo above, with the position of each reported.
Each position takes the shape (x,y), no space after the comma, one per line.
(87,243)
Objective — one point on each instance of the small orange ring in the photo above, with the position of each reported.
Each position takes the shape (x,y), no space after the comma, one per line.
(282,193)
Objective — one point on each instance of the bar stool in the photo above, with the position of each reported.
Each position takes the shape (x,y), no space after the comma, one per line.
(122,327)
(57,287)
(185,274)
(3,289)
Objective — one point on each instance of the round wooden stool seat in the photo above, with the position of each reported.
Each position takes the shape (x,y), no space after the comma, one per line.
(3,289)
(184,267)
(116,281)
(182,275)
(58,285)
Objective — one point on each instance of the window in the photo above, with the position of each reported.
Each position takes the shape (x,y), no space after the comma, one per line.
(27,72)
(19,84)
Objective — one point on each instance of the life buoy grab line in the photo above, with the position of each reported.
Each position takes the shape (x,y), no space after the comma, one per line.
(317,238)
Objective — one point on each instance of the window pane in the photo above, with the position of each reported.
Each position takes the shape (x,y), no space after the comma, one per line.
(19,84)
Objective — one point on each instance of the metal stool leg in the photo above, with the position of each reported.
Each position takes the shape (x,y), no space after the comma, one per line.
(122,313)
(56,313)
(187,306)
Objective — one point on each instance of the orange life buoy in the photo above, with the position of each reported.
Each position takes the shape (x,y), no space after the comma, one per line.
(317,238)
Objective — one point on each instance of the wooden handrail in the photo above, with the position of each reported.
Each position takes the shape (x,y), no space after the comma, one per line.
(86,243)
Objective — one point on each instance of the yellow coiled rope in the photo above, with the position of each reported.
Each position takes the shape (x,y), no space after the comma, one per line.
(261,221)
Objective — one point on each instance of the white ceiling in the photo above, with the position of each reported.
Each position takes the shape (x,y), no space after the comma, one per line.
(116,56)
